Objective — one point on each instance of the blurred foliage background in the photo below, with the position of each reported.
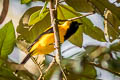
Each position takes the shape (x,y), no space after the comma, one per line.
(84,62)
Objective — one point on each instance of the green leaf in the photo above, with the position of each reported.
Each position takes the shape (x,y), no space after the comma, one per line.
(88,50)
(93,31)
(34,18)
(102,4)
(90,71)
(38,15)
(80,5)
(77,38)
(115,46)
(25,1)
(7,39)
(30,33)
(114,65)
(26,75)
(51,72)
(66,12)
(86,71)
(113,30)
(7,74)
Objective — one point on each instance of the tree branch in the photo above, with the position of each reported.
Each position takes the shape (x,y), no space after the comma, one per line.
(99,66)
(54,22)
(51,64)
(71,19)
(4,10)
(53,14)
(39,68)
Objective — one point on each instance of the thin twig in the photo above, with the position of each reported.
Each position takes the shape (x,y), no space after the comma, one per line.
(71,19)
(106,23)
(61,2)
(99,66)
(50,65)
(62,72)
(39,68)
(68,49)
(4,10)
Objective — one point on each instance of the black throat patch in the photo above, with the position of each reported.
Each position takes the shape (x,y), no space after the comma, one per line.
(73,28)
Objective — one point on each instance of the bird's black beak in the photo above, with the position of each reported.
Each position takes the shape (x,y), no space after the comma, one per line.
(80,24)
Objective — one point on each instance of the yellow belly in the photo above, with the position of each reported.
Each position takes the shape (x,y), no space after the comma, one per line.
(45,45)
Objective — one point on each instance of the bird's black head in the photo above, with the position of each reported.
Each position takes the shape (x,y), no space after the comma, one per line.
(72,29)
(74,25)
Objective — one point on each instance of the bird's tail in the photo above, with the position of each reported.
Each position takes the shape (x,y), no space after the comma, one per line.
(25,59)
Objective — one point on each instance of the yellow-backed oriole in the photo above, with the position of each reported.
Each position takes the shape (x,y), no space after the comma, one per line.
(44,43)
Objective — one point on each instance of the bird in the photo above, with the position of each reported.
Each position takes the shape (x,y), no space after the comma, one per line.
(44,43)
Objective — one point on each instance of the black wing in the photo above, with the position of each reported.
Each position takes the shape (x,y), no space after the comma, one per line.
(37,39)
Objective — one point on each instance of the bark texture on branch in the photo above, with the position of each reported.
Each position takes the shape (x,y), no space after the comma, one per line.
(54,22)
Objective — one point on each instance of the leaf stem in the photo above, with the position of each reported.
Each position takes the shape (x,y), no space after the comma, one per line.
(39,68)
(51,64)
(71,19)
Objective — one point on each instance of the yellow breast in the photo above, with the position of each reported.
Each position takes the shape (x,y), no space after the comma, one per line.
(45,45)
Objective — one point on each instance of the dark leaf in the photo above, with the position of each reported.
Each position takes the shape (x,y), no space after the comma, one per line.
(50,73)
(80,5)
(26,75)
(30,33)
(92,31)
(7,71)
(102,4)
(115,47)
(7,74)
(86,71)
(114,65)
